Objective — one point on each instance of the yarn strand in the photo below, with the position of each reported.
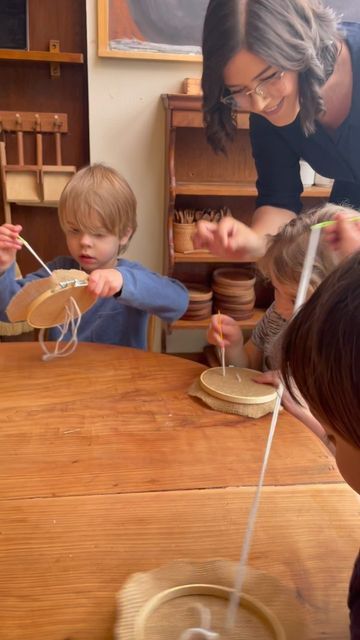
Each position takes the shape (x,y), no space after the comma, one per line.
(72,322)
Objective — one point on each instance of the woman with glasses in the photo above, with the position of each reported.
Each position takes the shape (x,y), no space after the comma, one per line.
(297,70)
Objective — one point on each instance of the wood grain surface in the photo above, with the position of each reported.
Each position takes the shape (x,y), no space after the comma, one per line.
(107,467)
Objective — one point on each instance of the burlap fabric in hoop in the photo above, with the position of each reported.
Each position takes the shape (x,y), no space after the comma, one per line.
(248,410)
(173,617)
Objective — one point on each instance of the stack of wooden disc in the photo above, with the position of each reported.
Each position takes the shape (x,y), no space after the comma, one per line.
(234,293)
(200,302)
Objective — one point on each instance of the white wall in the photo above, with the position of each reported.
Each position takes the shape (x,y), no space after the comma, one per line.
(127,131)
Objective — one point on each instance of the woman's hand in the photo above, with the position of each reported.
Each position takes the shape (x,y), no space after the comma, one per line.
(105,282)
(230,238)
(221,325)
(344,236)
(9,244)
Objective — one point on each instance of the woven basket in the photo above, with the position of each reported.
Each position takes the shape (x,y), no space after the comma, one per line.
(182,233)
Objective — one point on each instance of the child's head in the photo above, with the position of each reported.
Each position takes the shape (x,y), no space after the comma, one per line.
(285,255)
(97,206)
(321,355)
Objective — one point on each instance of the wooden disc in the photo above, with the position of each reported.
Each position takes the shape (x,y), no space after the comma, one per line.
(229,388)
(191,595)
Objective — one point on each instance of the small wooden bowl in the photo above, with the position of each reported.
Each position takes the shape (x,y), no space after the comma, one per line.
(232,277)
(198,292)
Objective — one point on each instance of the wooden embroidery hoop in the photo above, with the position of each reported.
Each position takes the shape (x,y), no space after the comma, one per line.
(43,303)
(231,389)
(247,602)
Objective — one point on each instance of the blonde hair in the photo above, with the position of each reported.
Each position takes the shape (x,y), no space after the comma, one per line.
(101,190)
(285,254)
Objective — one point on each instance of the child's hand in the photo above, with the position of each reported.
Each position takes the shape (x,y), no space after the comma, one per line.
(226,326)
(9,244)
(299,410)
(273,378)
(344,236)
(105,282)
(229,237)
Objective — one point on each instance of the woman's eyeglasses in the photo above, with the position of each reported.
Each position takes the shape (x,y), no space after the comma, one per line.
(241,100)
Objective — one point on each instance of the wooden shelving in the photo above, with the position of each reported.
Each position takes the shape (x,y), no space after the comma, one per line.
(203,324)
(236,189)
(199,256)
(197,178)
(41,56)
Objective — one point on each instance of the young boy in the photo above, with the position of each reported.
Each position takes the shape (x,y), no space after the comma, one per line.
(97,212)
(320,355)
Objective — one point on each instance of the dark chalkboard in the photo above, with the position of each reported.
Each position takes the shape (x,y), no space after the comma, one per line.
(13,24)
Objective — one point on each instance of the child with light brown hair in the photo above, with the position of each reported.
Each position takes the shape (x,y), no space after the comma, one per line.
(282,264)
(97,213)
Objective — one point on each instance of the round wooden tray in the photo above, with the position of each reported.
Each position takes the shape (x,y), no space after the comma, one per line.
(229,388)
(269,622)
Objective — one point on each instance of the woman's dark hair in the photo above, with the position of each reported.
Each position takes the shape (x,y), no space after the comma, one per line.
(291,35)
(321,351)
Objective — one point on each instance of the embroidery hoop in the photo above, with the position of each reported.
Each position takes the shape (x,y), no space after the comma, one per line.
(252,605)
(231,389)
(42,303)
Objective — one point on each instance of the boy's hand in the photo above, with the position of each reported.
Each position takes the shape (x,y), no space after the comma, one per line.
(344,236)
(9,244)
(228,327)
(105,282)
(229,237)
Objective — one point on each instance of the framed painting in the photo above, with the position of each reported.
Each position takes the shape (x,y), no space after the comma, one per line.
(151,29)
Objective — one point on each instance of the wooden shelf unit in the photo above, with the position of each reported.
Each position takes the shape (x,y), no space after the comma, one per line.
(237,189)
(197,178)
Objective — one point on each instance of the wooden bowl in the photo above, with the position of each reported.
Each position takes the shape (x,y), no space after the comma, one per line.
(232,277)
(198,292)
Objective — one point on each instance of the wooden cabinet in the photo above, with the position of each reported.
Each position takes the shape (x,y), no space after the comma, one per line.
(197,178)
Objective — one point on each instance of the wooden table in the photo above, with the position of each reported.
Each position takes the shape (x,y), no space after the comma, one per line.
(107,467)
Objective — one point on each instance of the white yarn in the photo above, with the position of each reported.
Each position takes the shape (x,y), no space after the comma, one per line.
(72,322)
(300,299)
(196,633)
(72,318)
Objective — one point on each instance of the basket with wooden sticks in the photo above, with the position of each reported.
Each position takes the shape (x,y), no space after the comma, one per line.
(184,225)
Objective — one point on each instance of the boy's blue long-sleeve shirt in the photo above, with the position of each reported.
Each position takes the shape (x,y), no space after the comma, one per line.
(118,320)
